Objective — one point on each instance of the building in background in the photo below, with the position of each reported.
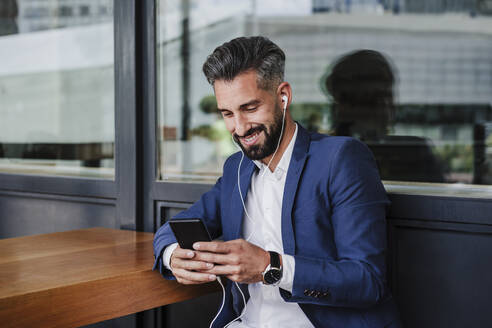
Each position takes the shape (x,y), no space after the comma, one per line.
(57,89)
(38,15)
(442,61)
(441,53)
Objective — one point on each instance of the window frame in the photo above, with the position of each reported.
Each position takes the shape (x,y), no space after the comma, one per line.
(425,199)
(123,188)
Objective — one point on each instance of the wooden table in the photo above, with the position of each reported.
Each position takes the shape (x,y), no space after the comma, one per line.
(75,278)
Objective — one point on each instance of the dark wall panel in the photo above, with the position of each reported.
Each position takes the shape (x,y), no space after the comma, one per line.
(439,251)
(23,214)
(203,311)
(442,280)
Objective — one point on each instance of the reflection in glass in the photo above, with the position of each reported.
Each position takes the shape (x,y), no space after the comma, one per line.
(432,122)
(193,139)
(361,86)
(8,17)
(57,88)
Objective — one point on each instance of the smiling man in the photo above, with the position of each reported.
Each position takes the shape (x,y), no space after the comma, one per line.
(302,215)
(254,115)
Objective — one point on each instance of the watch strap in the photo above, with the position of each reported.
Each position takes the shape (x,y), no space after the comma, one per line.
(274,260)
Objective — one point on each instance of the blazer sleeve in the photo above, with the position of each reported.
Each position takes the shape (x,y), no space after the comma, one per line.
(356,278)
(207,209)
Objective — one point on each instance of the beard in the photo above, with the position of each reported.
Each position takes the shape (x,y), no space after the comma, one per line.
(272,136)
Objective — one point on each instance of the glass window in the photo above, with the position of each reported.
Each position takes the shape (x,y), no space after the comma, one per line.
(65,11)
(56,89)
(193,140)
(411,79)
(84,10)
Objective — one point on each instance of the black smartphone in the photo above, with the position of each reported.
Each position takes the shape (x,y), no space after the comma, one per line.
(189,231)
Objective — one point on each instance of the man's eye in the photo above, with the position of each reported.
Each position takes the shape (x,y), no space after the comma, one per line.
(250,109)
(226,114)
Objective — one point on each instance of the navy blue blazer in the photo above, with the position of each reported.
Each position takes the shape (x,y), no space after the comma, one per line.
(333,223)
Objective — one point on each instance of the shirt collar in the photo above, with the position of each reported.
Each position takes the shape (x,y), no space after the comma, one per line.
(283,164)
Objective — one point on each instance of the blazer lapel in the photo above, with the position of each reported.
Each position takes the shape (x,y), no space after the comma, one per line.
(299,156)
(237,210)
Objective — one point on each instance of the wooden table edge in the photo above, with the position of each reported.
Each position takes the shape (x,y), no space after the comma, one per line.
(96,300)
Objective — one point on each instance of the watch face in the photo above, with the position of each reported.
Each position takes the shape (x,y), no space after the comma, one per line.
(273,276)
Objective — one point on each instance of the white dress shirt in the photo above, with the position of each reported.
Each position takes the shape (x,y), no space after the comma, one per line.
(265,307)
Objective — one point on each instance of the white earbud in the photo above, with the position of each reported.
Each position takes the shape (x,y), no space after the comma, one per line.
(284,99)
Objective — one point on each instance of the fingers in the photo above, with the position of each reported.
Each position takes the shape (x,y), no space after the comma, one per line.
(224,270)
(187,282)
(217,258)
(213,246)
(183,253)
(191,265)
(182,259)
(179,253)
(235,273)
(190,277)
(220,252)
(184,264)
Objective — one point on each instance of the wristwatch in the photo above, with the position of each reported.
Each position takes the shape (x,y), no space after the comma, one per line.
(273,273)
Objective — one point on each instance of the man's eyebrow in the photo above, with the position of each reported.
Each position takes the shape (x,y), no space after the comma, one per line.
(253,102)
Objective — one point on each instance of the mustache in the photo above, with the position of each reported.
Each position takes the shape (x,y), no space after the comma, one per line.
(250,131)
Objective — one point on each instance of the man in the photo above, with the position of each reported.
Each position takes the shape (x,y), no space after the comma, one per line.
(313,211)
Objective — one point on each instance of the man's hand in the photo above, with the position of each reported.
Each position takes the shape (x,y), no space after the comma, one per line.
(238,259)
(186,267)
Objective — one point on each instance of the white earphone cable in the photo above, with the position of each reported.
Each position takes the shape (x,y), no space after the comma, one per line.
(244,308)
(279,139)
(223,301)
(247,215)
(268,165)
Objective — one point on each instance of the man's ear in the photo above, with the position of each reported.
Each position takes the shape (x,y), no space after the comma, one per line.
(284,90)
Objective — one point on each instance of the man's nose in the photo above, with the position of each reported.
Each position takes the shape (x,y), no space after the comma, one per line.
(241,125)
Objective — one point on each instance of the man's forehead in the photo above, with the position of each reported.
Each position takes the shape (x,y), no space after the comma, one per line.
(244,80)
(240,90)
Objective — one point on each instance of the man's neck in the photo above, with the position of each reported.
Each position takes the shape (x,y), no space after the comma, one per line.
(289,130)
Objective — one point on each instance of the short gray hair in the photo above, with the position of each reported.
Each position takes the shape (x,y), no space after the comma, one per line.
(256,53)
